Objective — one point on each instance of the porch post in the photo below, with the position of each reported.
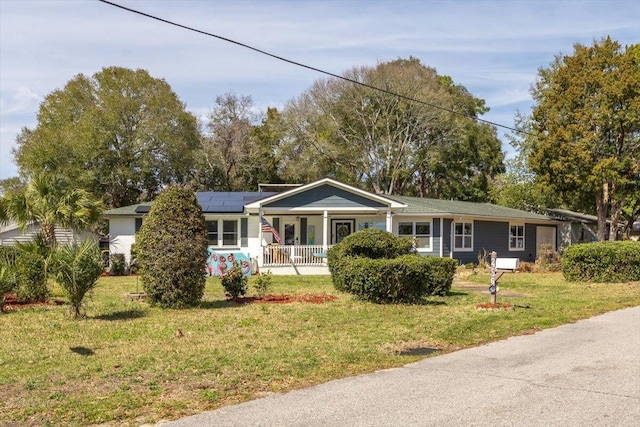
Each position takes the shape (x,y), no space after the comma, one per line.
(261,254)
(325,231)
(389,225)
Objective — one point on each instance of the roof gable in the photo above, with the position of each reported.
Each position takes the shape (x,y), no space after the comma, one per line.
(326,193)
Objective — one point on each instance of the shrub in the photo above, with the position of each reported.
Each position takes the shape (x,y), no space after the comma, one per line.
(548,260)
(31,277)
(76,268)
(602,262)
(8,256)
(407,278)
(374,243)
(391,273)
(263,283)
(172,249)
(234,282)
(117,265)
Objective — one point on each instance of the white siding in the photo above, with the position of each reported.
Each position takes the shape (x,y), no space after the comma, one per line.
(122,232)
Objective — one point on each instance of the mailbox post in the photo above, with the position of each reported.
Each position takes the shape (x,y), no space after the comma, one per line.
(493,287)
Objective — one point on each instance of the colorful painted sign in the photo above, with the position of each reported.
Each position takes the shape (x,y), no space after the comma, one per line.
(219,262)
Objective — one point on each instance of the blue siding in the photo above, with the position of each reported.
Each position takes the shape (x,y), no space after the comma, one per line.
(435,238)
(494,236)
(325,196)
(530,251)
(446,237)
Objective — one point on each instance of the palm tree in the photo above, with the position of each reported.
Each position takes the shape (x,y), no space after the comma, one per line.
(50,202)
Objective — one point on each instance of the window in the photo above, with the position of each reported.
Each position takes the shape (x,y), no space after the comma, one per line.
(421,231)
(381,225)
(516,238)
(138,224)
(463,236)
(230,233)
(212,232)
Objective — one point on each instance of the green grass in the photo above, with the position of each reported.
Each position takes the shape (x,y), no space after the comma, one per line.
(124,364)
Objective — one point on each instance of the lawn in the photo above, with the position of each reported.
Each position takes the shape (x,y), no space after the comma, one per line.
(129,364)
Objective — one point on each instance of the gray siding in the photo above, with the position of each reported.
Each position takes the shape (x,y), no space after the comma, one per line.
(446,237)
(325,196)
(494,236)
(435,238)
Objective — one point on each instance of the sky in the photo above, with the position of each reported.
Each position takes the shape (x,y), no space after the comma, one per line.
(494,47)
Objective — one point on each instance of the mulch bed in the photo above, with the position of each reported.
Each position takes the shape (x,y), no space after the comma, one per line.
(499,306)
(11,302)
(286,299)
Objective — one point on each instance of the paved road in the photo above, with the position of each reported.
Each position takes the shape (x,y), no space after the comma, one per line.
(584,374)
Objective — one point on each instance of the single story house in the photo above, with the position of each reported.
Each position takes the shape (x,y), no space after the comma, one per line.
(290,232)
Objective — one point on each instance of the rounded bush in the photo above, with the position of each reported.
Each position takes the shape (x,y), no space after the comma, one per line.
(391,273)
(602,262)
(172,249)
(374,243)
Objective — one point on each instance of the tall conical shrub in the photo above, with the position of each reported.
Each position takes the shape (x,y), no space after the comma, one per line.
(172,249)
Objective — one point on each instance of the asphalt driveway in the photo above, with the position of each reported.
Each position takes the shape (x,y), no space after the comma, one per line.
(583,374)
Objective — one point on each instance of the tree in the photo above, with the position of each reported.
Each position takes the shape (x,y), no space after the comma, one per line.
(51,202)
(517,187)
(390,143)
(172,249)
(227,147)
(120,134)
(587,126)
(76,268)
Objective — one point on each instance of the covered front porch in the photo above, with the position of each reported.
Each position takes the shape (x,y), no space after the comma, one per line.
(298,227)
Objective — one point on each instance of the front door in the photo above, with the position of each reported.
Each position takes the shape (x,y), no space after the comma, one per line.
(341,229)
(289,234)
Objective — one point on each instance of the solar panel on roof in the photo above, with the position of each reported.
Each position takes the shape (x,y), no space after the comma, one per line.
(227,202)
(143,209)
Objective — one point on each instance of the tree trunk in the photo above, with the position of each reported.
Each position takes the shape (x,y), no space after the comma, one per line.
(615,216)
(602,204)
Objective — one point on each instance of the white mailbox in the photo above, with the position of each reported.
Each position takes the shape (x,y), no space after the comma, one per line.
(507,263)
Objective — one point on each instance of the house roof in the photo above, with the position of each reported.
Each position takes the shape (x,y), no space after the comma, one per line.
(210,202)
(425,206)
(238,202)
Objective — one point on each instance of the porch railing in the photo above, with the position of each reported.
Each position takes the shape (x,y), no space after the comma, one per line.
(281,255)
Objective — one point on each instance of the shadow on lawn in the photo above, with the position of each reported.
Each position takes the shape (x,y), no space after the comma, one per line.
(218,304)
(82,351)
(121,315)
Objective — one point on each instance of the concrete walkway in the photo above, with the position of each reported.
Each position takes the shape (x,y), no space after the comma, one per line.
(583,374)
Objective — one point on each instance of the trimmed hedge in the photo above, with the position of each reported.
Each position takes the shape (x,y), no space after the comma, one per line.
(377,266)
(602,262)
(407,278)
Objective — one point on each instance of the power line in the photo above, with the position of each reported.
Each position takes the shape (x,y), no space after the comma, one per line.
(309,67)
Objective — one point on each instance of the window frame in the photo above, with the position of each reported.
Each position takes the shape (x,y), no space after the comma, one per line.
(220,234)
(415,235)
(236,233)
(210,241)
(462,248)
(517,237)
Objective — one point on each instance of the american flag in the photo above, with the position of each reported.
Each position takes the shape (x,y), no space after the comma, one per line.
(268,228)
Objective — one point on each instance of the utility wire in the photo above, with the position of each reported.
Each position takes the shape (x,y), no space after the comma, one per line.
(309,67)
